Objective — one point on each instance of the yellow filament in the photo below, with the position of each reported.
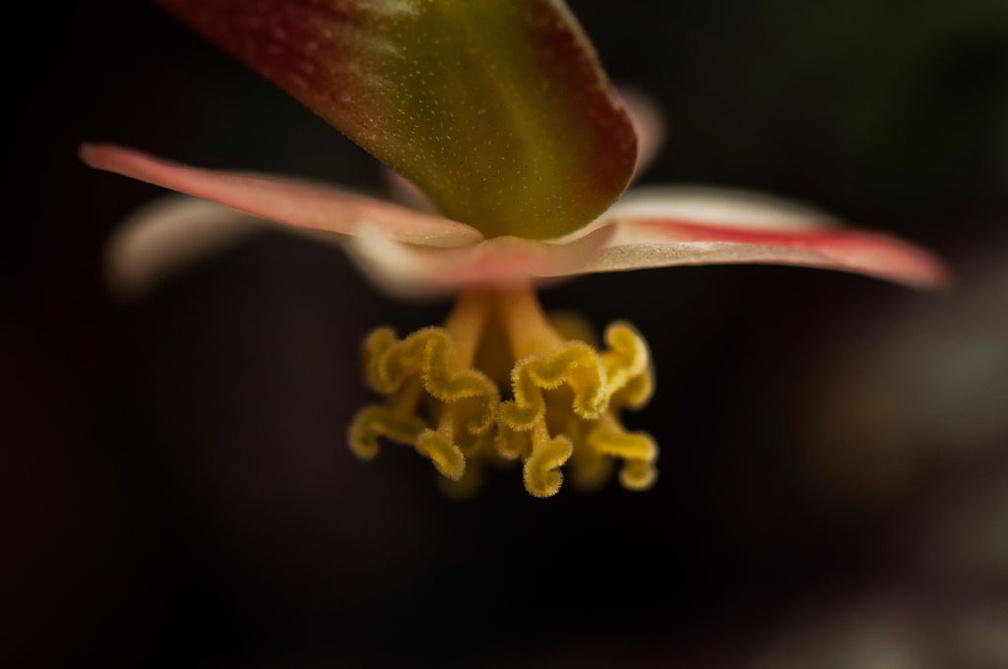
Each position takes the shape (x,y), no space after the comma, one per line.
(637,450)
(563,396)
(528,331)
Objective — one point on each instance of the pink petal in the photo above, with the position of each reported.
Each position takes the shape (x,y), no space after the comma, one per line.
(693,225)
(634,234)
(296,203)
(661,242)
(409,271)
(648,124)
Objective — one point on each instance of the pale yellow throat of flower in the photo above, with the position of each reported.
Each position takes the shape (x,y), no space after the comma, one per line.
(500,382)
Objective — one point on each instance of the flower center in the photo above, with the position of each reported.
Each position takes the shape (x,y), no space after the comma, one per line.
(500,382)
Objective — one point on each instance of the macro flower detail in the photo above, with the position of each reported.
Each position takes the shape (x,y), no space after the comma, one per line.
(520,150)
(564,395)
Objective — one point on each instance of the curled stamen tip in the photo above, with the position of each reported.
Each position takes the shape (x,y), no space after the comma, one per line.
(446,456)
(638,450)
(638,475)
(376,344)
(592,404)
(512,444)
(576,364)
(522,417)
(541,472)
(362,444)
(624,337)
(562,404)
(636,393)
(409,356)
(486,415)
(627,364)
(376,421)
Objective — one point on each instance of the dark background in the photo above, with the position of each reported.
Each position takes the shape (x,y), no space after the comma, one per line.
(175,489)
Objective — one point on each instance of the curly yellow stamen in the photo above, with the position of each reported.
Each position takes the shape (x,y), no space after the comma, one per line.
(574,363)
(564,396)
(637,450)
(635,394)
(627,358)
(541,472)
(427,353)
(442,451)
(376,421)
(513,444)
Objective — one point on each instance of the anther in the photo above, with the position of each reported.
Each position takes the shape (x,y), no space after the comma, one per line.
(541,472)
(565,395)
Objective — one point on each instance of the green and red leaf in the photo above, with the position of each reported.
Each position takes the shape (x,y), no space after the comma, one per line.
(497,109)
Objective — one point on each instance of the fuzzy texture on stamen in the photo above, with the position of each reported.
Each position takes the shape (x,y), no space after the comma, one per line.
(563,407)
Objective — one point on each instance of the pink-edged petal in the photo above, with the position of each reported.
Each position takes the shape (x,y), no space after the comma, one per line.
(648,124)
(297,203)
(411,271)
(168,236)
(643,242)
(696,225)
(497,109)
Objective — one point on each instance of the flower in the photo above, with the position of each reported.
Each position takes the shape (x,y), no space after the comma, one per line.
(503,117)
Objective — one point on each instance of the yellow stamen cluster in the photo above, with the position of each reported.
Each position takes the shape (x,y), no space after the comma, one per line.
(560,406)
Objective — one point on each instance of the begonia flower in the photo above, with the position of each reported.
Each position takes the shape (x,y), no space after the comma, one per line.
(501,115)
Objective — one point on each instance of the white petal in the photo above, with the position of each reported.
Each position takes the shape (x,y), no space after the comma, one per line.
(714,205)
(167,236)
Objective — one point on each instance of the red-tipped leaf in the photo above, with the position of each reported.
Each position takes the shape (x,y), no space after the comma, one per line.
(497,109)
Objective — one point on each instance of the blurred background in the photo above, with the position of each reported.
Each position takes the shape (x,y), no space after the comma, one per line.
(175,487)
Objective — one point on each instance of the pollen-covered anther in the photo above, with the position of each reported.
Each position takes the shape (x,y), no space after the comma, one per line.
(637,450)
(376,421)
(375,345)
(574,363)
(541,472)
(627,359)
(443,452)
(429,380)
(564,396)
(427,353)
(513,444)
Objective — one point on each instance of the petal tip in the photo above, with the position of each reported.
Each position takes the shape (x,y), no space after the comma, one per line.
(86,153)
